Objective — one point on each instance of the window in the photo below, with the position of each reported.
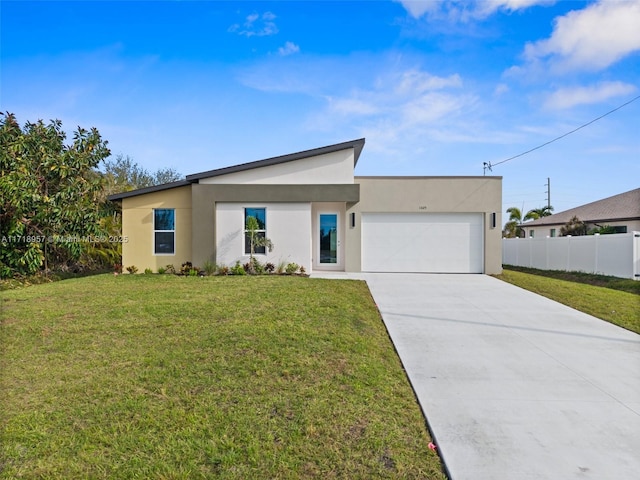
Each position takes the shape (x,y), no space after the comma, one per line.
(260,214)
(531,233)
(164,231)
(620,229)
(553,232)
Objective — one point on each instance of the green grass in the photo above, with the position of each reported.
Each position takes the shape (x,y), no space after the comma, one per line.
(615,283)
(583,292)
(185,377)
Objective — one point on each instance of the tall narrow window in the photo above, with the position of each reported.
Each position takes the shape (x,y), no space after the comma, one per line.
(260,214)
(553,232)
(164,231)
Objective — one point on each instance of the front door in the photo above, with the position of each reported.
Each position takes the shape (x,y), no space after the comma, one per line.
(329,241)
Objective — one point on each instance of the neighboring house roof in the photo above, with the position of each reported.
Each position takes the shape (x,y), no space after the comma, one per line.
(357,145)
(624,206)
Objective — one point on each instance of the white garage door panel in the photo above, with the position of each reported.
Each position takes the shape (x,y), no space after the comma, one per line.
(422,242)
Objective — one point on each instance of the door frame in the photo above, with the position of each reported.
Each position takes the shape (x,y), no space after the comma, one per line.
(339,265)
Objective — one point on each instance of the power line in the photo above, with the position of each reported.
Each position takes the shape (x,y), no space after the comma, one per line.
(489,165)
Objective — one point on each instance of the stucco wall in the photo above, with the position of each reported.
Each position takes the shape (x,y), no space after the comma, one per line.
(288,227)
(205,197)
(330,168)
(137,225)
(429,194)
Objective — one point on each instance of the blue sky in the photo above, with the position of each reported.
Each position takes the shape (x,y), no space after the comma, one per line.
(435,87)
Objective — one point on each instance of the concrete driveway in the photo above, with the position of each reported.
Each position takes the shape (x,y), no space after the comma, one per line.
(515,386)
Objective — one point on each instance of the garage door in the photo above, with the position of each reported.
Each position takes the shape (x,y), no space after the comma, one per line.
(422,242)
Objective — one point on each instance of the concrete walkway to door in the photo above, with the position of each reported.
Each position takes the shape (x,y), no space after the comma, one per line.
(515,386)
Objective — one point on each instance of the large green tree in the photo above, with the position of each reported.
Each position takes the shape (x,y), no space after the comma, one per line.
(50,191)
(122,174)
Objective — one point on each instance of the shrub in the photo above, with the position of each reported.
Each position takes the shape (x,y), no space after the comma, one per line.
(269,267)
(292,268)
(223,270)
(148,271)
(604,230)
(161,270)
(238,269)
(193,272)
(185,268)
(258,268)
(117,268)
(254,267)
(170,269)
(132,269)
(575,227)
(209,268)
(282,265)
(302,270)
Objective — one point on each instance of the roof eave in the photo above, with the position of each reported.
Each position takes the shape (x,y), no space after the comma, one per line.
(141,191)
(357,145)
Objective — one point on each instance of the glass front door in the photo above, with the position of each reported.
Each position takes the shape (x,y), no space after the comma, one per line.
(329,241)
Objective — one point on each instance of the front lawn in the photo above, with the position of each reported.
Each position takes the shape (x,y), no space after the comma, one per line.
(159,376)
(583,292)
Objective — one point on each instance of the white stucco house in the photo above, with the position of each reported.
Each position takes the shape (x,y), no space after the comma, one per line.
(318,214)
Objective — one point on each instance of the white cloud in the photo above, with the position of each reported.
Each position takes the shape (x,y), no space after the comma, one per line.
(592,38)
(463,10)
(487,7)
(352,106)
(289,48)
(570,97)
(417,8)
(417,81)
(392,101)
(431,107)
(401,105)
(501,89)
(411,96)
(256,25)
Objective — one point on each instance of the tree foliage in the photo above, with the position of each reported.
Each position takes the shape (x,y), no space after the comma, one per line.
(122,174)
(513,227)
(540,212)
(574,227)
(255,239)
(50,193)
(603,230)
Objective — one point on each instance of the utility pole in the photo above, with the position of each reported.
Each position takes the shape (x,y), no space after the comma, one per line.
(548,185)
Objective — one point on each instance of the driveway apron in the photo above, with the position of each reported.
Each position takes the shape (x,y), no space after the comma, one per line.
(513,385)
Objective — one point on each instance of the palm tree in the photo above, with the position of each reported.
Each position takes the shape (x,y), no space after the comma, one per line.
(255,240)
(540,212)
(513,227)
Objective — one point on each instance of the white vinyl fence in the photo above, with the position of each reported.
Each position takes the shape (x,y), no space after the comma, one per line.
(617,254)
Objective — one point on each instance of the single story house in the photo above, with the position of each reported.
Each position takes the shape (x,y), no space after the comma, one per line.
(621,212)
(318,215)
